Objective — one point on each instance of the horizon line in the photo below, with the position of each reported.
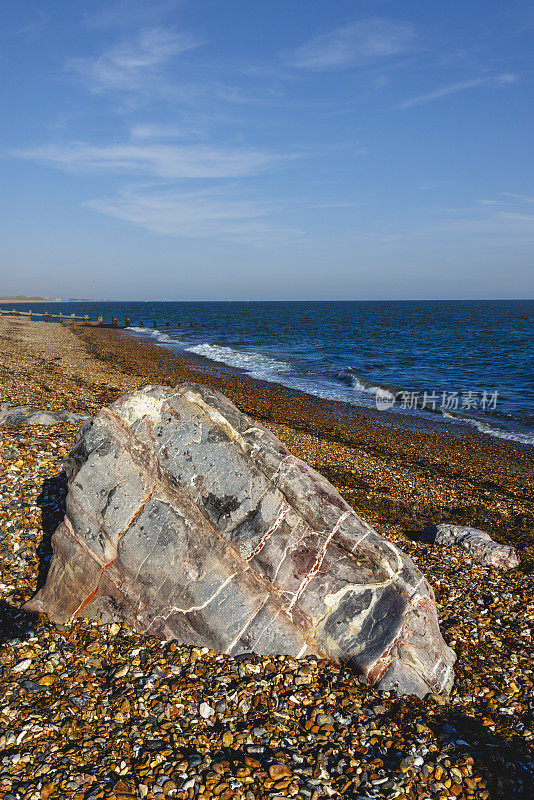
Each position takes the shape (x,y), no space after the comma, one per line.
(286,300)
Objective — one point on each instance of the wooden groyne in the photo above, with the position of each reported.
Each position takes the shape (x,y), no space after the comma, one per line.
(86,318)
(45,314)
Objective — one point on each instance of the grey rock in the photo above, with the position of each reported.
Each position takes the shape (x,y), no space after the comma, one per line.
(24,415)
(32,687)
(477,543)
(190,521)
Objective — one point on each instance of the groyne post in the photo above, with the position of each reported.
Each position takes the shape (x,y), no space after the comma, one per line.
(141,325)
(45,316)
(127,322)
(155,325)
(60,317)
(100,321)
(30,315)
(114,322)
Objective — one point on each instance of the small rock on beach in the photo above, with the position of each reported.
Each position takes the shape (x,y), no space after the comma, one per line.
(477,543)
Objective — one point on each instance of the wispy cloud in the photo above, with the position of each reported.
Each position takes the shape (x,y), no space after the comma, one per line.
(215,213)
(156,131)
(435,184)
(161,204)
(357,44)
(508,199)
(520,197)
(133,64)
(504,79)
(483,223)
(35,26)
(517,216)
(166,161)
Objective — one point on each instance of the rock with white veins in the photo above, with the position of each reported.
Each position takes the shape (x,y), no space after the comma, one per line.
(24,415)
(477,543)
(193,522)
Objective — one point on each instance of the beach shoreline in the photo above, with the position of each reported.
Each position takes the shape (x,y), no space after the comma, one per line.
(419,419)
(409,359)
(473,744)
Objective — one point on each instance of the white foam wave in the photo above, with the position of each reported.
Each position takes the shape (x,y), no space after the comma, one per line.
(258,365)
(267,368)
(154,332)
(361,385)
(499,433)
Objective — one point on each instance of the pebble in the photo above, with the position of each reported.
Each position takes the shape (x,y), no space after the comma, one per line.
(277,771)
(206,711)
(22,665)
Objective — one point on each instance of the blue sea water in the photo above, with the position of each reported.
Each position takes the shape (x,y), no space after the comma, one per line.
(473,359)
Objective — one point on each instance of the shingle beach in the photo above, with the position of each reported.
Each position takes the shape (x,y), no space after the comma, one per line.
(92,711)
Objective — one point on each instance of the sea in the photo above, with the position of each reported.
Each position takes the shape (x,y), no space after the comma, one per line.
(467,361)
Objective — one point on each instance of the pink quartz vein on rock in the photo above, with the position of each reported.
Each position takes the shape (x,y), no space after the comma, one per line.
(193,522)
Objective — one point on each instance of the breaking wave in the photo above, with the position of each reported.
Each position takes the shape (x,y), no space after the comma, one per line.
(154,332)
(354,389)
(483,427)
(351,378)
(258,365)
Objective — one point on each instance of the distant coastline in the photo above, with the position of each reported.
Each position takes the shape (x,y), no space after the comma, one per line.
(21,298)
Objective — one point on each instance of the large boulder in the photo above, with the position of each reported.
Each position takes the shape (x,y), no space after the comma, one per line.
(193,522)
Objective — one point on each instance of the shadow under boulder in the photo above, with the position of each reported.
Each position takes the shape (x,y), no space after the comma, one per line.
(51,501)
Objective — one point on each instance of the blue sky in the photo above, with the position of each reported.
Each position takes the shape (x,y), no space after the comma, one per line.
(259,149)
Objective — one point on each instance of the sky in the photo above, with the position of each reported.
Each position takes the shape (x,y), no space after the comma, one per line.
(267,149)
